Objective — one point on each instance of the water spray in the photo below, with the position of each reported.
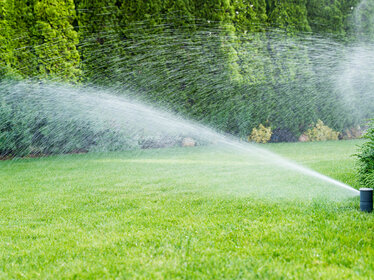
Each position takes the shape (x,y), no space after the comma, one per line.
(366,200)
(112,122)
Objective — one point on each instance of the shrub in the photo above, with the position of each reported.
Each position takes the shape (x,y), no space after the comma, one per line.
(261,134)
(366,158)
(159,142)
(15,132)
(24,132)
(33,124)
(321,132)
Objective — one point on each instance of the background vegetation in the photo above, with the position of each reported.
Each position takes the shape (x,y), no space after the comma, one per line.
(230,64)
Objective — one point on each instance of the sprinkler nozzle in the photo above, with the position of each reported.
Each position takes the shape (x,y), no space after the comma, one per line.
(366,200)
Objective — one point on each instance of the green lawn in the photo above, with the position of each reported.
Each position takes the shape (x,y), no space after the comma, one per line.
(196,213)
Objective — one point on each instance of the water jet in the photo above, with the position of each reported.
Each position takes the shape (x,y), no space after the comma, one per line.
(366,200)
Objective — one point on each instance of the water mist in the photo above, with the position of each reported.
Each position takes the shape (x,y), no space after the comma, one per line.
(108,121)
(224,80)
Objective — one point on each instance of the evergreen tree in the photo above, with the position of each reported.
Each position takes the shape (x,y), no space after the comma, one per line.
(20,40)
(325,16)
(288,14)
(333,17)
(98,24)
(55,40)
(219,61)
(39,38)
(364,21)
(250,15)
(5,35)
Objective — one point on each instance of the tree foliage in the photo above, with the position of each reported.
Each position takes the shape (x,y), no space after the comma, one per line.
(232,64)
(39,39)
(55,39)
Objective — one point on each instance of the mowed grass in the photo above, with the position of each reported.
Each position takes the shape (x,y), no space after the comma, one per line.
(179,214)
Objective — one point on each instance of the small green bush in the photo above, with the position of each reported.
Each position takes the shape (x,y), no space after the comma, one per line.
(366,158)
(261,134)
(321,132)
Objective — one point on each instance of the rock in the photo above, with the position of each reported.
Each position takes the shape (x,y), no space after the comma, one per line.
(188,142)
(303,138)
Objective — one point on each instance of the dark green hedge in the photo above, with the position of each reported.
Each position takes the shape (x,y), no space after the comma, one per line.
(229,64)
(41,37)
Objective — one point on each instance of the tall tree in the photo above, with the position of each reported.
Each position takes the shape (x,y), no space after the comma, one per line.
(5,35)
(364,20)
(20,45)
(288,14)
(98,22)
(331,16)
(55,40)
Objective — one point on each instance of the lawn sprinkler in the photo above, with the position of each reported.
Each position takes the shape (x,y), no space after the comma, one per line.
(366,200)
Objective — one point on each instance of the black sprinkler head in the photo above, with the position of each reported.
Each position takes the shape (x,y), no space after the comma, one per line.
(366,200)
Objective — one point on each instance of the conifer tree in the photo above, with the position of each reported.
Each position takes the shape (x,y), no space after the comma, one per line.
(335,17)
(325,16)
(364,21)
(292,106)
(5,30)
(288,14)
(39,38)
(20,19)
(250,15)
(55,40)
(98,23)
(203,59)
